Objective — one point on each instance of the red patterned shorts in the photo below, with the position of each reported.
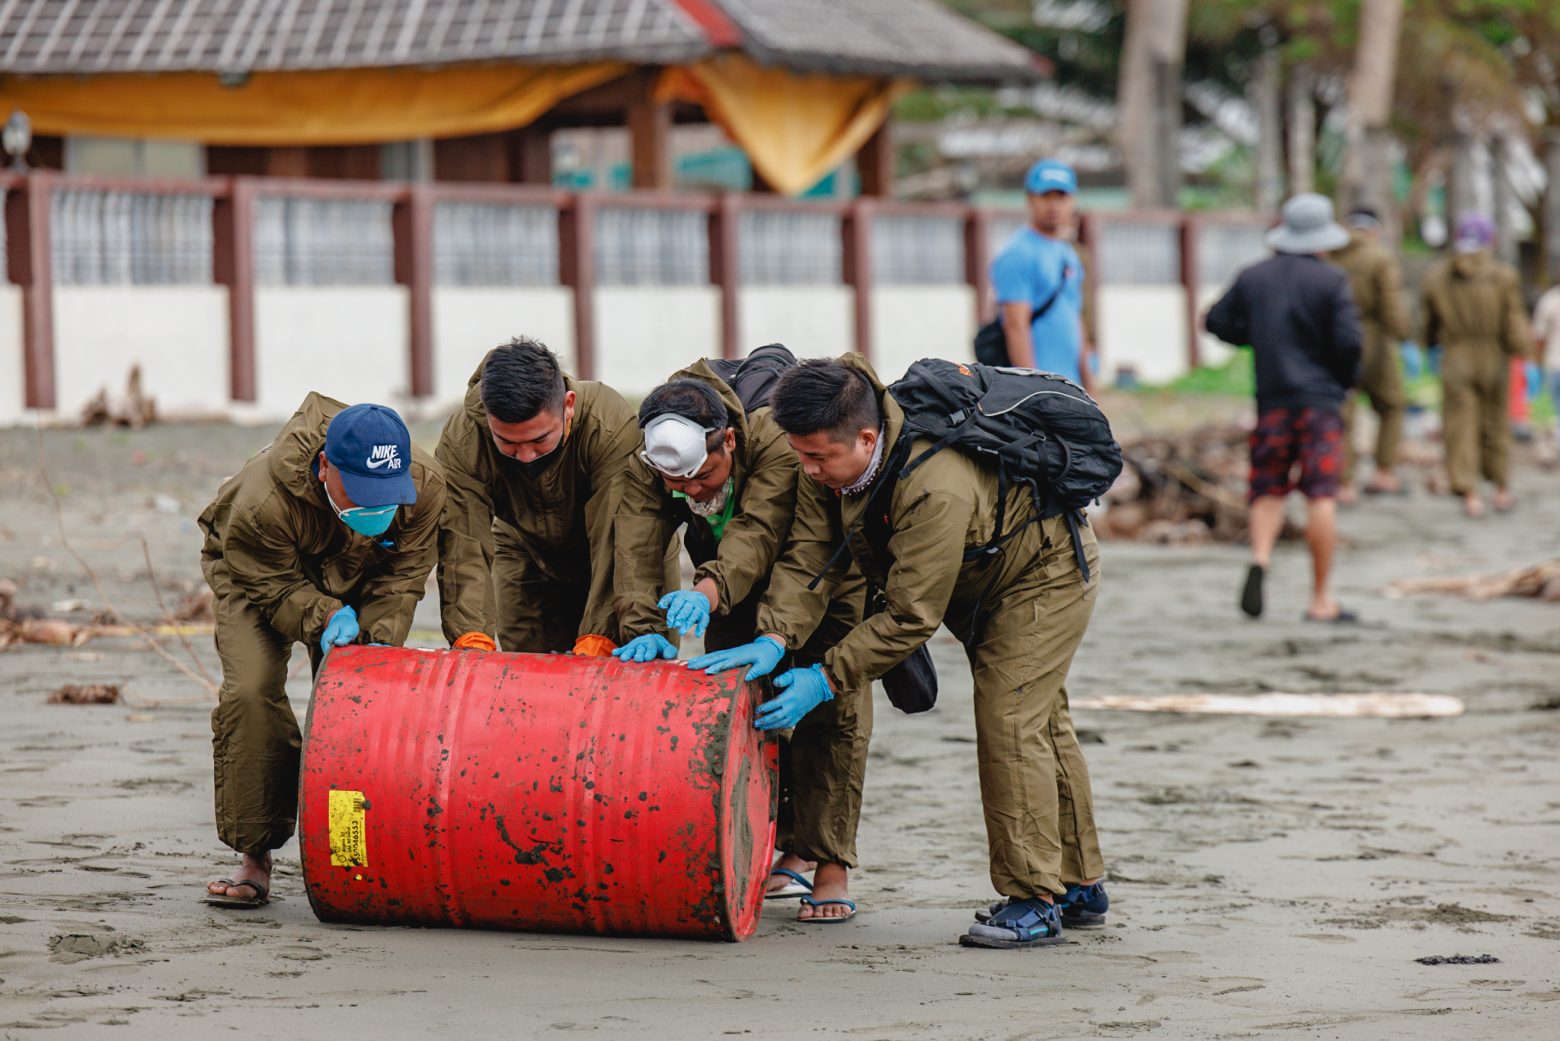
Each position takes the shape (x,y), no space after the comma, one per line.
(1310,439)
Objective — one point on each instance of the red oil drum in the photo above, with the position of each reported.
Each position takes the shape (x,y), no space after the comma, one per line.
(532,791)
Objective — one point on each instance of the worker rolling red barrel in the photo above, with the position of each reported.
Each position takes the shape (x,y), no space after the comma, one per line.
(325,538)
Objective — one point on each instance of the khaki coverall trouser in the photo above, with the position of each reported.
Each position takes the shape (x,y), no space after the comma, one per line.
(254,734)
(1381,379)
(1034,782)
(823,763)
(536,613)
(1475,386)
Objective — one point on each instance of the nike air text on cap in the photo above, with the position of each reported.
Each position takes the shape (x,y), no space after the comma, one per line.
(372,449)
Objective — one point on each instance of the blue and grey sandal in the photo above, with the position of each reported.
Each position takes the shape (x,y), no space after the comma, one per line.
(1017,925)
(1084,907)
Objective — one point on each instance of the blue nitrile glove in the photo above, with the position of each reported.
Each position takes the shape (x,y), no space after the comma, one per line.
(341,630)
(1534,373)
(686,611)
(805,690)
(763,654)
(648,647)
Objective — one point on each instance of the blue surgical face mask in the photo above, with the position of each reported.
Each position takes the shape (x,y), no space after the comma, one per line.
(365,520)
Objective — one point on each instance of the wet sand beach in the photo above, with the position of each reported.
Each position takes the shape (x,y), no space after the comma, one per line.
(1270,878)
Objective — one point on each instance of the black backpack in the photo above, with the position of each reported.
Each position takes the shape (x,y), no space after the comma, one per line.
(753,378)
(1034,428)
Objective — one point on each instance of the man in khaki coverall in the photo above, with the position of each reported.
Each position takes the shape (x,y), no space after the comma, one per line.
(730,478)
(325,538)
(533,459)
(1376,283)
(1473,310)
(1020,614)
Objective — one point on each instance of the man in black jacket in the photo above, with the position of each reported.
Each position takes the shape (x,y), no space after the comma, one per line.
(1297,314)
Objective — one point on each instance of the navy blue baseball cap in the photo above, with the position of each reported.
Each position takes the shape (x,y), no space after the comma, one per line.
(373,450)
(1051,175)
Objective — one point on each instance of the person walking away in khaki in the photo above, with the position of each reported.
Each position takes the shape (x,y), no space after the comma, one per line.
(1376,283)
(728,478)
(1473,311)
(324,538)
(1296,313)
(1021,615)
(533,458)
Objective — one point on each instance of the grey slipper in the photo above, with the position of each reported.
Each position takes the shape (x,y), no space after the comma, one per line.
(262,894)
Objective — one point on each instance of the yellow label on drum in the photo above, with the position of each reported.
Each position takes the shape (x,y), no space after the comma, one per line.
(348,829)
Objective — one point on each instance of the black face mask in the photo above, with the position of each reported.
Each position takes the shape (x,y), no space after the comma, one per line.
(538,466)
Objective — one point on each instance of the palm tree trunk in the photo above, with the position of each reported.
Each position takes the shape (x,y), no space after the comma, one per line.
(1149,99)
(1368,173)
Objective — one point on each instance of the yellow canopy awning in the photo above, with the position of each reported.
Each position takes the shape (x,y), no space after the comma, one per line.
(334,107)
(794,127)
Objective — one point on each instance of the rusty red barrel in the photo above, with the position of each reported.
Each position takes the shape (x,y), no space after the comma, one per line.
(528,791)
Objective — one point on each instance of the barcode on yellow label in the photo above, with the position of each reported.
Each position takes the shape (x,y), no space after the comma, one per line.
(348,829)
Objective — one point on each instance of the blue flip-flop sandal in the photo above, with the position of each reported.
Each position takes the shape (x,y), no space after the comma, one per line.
(810,902)
(798,886)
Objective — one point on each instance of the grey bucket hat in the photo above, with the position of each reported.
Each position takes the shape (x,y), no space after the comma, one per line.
(1308,227)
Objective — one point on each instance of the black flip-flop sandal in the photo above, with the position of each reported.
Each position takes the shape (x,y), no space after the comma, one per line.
(260,899)
(1251,593)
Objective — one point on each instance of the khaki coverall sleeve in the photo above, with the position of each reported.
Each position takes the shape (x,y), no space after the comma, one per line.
(1393,318)
(789,609)
(642,530)
(755,536)
(465,534)
(1516,338)
(614,443)
(389,598)
(264,565)
(927,547)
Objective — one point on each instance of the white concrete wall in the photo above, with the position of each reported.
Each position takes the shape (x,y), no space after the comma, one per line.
(12,394)
(467,323)
(177,334)
(351,342)
(914,322)
(814,321)
(644,333)
(348,342)
(1144,327)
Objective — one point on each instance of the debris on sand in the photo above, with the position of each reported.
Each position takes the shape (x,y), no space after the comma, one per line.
(134,410)
(85,694)
(1373,704)
(53,632)
(1537,580)
(1459,959)
(1182,489)
(195,607)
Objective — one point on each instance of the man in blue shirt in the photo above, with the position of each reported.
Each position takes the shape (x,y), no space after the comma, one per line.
(1038,280)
